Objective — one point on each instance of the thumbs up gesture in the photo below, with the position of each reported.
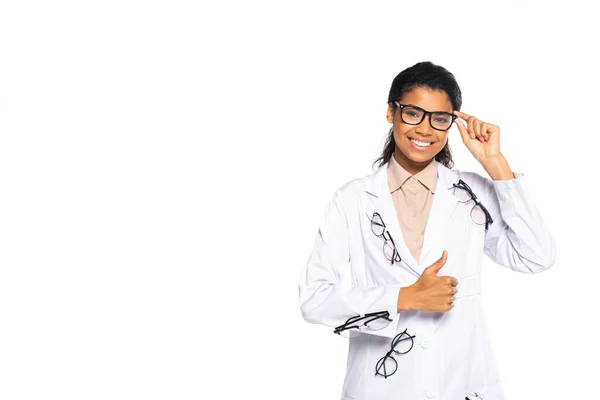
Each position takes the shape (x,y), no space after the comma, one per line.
(430,293)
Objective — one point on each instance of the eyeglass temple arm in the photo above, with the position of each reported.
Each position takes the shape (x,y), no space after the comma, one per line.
(354,320)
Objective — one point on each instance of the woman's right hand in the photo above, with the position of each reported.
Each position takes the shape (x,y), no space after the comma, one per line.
(430,293)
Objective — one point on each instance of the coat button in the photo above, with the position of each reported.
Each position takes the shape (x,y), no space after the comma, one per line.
(429,395)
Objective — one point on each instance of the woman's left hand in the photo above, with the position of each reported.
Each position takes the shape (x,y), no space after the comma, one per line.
(481,138)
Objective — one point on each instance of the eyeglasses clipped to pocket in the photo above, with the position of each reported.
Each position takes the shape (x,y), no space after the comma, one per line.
(479,214)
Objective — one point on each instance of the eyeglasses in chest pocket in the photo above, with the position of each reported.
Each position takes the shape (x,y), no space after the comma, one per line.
(390,251)
(479,214)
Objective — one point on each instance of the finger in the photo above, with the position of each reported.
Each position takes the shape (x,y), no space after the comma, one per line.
(485,131)
(449,280)
(435,267)
(482,128)
(448,306)
(476,128)
(464,133)
(471,128)
(442,260)
(469,119)
(462,115)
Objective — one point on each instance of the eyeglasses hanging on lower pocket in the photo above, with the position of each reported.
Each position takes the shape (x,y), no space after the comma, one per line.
(401,344)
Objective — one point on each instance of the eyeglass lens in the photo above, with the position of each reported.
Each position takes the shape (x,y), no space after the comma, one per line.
(477,213)
(386,366)
(377,225)
(401,344)
(389,250)
(369,322)
(414,116)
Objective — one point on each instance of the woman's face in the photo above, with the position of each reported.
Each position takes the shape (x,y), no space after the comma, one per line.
(416,145)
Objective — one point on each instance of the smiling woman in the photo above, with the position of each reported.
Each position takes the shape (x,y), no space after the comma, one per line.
(399,227)
(419,142)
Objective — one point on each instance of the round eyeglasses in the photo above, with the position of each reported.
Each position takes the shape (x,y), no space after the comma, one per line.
(413,115)
(401,344)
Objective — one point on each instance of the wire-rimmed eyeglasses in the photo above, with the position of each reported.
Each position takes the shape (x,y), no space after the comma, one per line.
(372,321)
(479,213)
(401,344)
(413,115)
(389,247)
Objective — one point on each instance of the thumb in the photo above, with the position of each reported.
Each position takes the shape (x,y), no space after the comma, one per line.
(434,268)
(466,136)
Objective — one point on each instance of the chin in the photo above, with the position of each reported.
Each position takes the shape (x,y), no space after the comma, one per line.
(420,156)
(422,159)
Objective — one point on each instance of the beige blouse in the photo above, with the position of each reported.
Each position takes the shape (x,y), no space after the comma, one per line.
(412,197)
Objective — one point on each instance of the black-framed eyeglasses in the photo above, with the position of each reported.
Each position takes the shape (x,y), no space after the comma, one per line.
(413,115)
(479,213)
(389,246)
(372,321)
(401,344)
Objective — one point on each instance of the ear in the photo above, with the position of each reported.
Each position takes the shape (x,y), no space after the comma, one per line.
(390,114)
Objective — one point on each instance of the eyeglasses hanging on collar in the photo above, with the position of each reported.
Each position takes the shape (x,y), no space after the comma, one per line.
(389,247)
(479,213)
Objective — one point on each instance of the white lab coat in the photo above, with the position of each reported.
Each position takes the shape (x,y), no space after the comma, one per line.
(347,274)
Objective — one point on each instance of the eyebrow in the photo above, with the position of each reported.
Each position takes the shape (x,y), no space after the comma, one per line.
(414,105)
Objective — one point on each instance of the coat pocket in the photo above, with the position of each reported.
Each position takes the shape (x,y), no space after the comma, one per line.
(468,286)
(492,391)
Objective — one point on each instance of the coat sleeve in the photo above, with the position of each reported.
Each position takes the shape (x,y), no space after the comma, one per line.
(518,238)
(325,297)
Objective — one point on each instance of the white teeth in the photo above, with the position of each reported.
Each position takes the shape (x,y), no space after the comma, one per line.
(420,144)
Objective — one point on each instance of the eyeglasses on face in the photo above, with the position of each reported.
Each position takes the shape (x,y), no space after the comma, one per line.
(413,115)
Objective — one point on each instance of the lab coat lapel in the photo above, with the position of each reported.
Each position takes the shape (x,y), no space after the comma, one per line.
(444,203)
(380,201)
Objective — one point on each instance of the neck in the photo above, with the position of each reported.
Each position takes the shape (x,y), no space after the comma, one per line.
(412,167)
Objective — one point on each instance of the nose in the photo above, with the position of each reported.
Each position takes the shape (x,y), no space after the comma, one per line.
(424,128)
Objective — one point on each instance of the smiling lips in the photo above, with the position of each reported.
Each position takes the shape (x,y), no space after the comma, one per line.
(420,144)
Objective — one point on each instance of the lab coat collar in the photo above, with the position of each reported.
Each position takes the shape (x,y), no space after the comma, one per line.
(444,203)
(397,175)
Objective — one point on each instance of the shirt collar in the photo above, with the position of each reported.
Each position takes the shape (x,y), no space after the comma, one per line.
(397,175)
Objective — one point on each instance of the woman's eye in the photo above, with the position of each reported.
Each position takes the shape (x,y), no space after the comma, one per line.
(442,120)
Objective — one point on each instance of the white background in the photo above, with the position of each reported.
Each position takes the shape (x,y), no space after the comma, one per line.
(164,167)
